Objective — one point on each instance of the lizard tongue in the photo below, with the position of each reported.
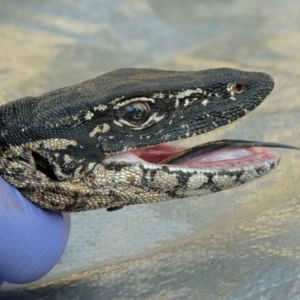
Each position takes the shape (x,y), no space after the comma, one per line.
(224,158)
(225,154)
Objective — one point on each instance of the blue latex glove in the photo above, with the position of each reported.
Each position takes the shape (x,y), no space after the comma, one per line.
(32,239)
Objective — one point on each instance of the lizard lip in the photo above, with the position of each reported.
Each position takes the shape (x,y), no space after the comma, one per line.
(223,154)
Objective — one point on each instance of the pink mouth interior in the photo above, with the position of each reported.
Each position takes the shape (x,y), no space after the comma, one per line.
(157,153)
(223,158)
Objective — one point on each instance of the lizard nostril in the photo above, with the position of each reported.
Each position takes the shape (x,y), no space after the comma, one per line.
(237,88)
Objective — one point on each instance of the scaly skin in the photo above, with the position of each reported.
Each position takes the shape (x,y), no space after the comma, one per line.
(56,148)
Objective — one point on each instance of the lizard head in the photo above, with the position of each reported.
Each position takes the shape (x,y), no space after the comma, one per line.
(100,143)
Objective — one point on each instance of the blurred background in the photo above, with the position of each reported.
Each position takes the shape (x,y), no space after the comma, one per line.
(239,244)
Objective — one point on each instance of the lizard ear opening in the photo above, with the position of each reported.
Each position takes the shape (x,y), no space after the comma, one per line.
(43,165)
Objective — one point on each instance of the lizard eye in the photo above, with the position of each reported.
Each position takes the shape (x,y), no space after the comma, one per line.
(136,113)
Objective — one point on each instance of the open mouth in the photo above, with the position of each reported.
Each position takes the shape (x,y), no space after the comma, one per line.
(217,155)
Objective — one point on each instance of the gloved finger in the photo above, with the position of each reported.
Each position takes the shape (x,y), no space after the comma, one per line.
(32,239)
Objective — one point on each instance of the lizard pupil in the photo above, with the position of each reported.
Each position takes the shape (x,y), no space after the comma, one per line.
(136,112)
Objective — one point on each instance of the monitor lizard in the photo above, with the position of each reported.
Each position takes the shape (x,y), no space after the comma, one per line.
(104,143)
